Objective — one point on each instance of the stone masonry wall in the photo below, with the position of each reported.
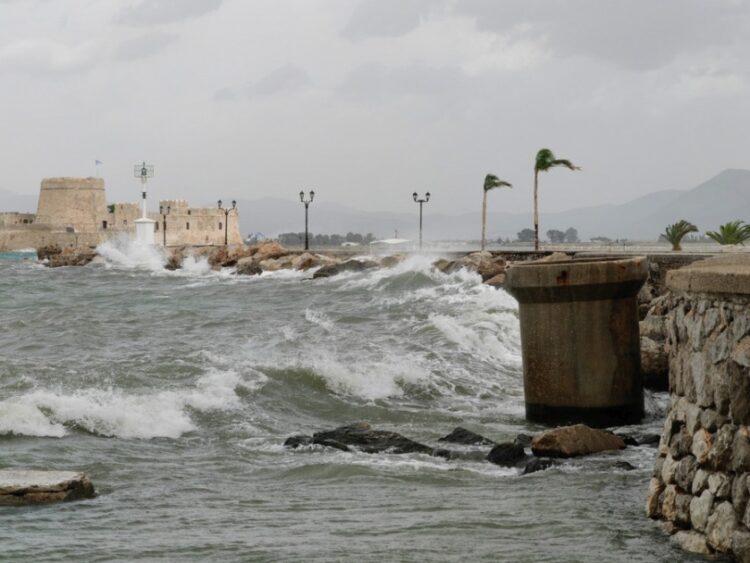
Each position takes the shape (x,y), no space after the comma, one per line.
(701,480)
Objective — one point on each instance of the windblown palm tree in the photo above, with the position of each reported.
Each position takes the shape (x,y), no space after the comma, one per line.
(734,232)
(490,182)
(676,232)
(545,159)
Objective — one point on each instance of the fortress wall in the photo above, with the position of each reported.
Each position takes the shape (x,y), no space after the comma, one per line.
(12,219)
(24,238)
(123,215)
(197,226)
(76,202)
(701,480)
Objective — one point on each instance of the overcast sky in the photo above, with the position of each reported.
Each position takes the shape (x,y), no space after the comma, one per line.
(367,101)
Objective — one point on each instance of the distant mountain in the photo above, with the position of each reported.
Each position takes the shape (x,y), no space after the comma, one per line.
(725,197)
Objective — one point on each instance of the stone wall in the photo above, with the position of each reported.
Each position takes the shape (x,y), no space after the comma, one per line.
(72,202)
(14,219)
(700,485)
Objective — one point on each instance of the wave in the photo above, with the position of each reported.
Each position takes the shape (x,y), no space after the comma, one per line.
(111,412)
(122,252)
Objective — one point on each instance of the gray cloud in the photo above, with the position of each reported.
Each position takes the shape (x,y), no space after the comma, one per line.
(638,35)
(143,46)
(288,79)
(156,12)
(376,18)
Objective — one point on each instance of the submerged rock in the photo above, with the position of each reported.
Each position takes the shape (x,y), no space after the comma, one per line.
(538,464)
(576,440)
(70,257)
(348,266)
(298,440)
(19,487)
(364,438)
(248,267)
(464,436)
(507,453)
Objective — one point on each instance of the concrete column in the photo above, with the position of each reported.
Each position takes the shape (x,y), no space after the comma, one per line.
(580,340)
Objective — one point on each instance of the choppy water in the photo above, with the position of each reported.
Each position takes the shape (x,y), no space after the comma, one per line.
(175,391)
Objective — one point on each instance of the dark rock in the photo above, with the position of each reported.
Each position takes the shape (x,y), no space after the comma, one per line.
(331,444)
(22,487)
(507,453)
(628,439)
(538,464)
(348,266)
(73,258)
(523,440)
(685,472)
(297,441)
(364,438)
(463,436)
(624,465)
(45,252)
(248,267)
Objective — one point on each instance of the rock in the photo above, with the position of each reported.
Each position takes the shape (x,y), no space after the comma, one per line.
(20,487)
(741,450)
(685,473)
(348,266)
(489,269)
(305,261)
(295,442)
(740,495)
(391,261)
(497,281)
(71,258)
(669,470)
(576,440)
(720,454)
(720,485)
(739,382)
(700,482)
(741,546)
(653,502)
(654,365)
(700,510)
(680,443)
(693,542)
(267,250)
(248,267)
(220,257)
(682,510)
(507,453)
(174,260)
(523,440)
(46,252)
(537,464)
(463,436)
(554,257)
(701,446)
(639,439)
(623,465)
(653,328)
(669,503)
(720,528)
(364,438)
(445,266)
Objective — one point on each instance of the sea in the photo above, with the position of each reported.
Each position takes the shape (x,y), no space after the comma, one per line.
(176,390)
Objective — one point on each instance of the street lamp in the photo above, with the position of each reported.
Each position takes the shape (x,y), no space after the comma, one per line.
(425,199)
(307,203)
(164,212)
(226,218)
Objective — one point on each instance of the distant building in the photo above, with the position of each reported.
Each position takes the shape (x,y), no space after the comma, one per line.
(74,212)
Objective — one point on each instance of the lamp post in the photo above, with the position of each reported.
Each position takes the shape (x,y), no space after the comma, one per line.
(307,203)
(417,199)
(226,218)
(164,212)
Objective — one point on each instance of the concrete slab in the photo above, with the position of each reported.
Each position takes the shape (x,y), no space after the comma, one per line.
(22,486)
(728,273)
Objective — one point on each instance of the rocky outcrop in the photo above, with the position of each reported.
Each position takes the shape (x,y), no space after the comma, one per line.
(507,453)
(70,257)
(348,266)
(362,437)
(248,267)
(576,440)
(46,252)
(21,487)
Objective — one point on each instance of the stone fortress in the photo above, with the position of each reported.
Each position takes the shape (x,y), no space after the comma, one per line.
(73,213)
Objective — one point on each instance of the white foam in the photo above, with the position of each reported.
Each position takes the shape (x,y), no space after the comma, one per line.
(111,412)
(122,252)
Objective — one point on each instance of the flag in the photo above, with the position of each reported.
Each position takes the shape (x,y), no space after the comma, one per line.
(98,162)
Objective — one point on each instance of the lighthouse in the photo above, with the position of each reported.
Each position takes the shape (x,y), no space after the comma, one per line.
(144,227)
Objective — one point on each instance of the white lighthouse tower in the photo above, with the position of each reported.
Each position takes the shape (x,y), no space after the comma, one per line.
(144,227)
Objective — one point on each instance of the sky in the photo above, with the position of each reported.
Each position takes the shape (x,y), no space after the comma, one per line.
(367,101)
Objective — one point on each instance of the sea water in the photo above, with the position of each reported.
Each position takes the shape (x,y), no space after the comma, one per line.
(176,390)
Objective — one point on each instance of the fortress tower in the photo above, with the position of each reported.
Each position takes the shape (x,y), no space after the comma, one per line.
(72,202)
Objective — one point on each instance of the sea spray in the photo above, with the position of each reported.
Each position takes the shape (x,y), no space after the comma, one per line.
(122,252)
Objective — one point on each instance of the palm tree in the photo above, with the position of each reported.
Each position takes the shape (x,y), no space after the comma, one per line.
(676,232)
(490,182)
(545,160)
(734,232)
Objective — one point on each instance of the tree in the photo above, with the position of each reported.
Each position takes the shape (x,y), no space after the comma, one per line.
(734,232)
(676,232)
(545,160)
(526,235)
(490,183)
(553,235)
(571,235)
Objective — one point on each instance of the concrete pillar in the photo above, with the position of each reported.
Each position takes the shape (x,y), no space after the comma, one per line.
(580,340)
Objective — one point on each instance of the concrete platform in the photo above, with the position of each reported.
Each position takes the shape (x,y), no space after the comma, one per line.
(729,273)
(20,487)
